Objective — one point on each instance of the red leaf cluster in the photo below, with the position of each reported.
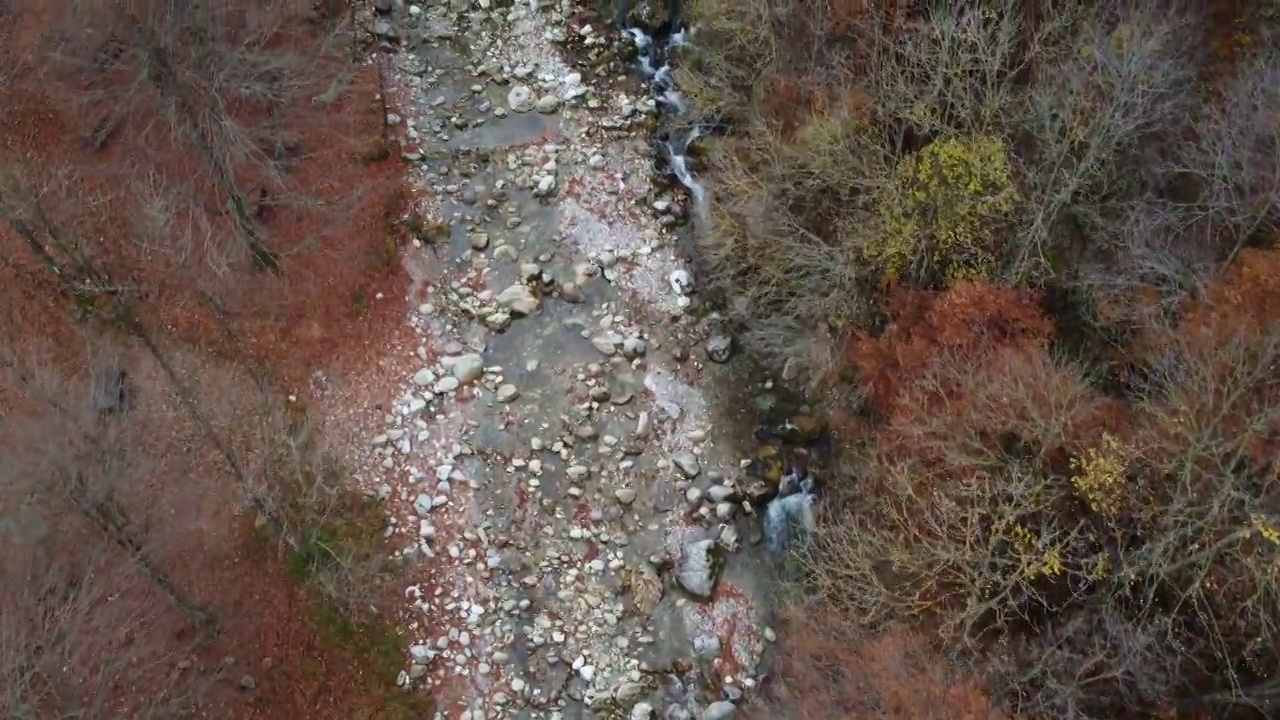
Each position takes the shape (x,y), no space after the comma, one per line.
(966,323)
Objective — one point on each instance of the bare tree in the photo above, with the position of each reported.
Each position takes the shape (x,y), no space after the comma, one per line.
(81,633)
(72,455)
(220,78)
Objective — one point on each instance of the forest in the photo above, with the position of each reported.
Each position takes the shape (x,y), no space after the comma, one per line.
(1026,251)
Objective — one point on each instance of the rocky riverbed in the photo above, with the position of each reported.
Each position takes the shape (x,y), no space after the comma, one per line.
(562,470)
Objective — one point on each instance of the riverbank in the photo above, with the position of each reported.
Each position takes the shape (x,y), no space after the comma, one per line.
(558,442)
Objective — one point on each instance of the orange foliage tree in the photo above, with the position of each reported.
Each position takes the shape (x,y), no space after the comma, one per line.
(1092,555)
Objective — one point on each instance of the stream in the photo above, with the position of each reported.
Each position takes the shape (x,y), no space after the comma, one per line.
(575,460)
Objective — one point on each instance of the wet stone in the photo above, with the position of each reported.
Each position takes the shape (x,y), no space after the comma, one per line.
(687,463)
(519,299)
(520,99)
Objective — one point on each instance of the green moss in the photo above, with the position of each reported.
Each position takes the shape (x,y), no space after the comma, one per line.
(428,231)
(943,211)
(359,302)
(347,531)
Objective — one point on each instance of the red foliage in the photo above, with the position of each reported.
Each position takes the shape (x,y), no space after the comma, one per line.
(1223,348)
(828,671)
(1245,297)
(964,324)
(324,210)
(330,228)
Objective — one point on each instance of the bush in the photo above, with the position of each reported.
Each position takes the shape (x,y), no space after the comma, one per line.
(1066,148)
(1090,561)
(985,210)
(940,210)
(827,669)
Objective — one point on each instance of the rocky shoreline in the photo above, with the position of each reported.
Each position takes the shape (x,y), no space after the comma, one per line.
(557,464)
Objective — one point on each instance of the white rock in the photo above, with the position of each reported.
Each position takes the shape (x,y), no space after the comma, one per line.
(416,406)
(520,99)
(422,654)
(719,493)
(519,299)
(681,282)
(468,368)
(547,104)
(696,571)
(422,505)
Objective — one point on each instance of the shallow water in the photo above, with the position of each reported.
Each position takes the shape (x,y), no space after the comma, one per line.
(578,408)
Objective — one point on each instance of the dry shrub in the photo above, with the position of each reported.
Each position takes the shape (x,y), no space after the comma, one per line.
(172,473)
(1088,560)
(826,670)
(1070,147)
(965,322)
(83,634)
(197,156)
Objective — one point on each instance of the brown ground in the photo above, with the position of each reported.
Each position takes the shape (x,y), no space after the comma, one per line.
(321,314)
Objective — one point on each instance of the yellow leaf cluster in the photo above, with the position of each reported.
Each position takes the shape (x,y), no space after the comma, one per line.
(1101,476)
(1035,561)
(944,207)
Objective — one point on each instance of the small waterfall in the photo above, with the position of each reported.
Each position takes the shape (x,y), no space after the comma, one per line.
(653,60)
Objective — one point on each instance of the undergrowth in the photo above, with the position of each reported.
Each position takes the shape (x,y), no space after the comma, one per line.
(1071,147)
(335,550)
(1027,234)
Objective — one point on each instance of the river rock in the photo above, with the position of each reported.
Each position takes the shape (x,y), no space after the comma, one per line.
(706,647)
(681,282)
(468,368)
(719,493)
(607,343)
(507,392)
(719,348)
(687,463)
(634,347)
(628,693)
(699,568)
(519,299)
(719,710)
(520,99)
(424,378)
(547,104)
